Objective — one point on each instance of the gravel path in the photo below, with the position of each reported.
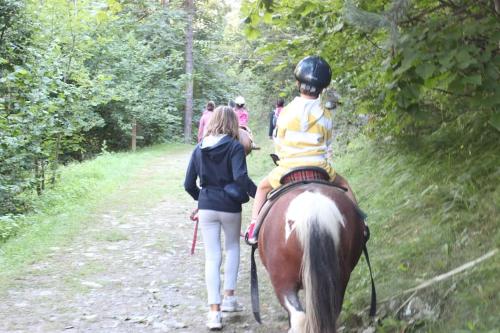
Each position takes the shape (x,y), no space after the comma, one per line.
(130,271)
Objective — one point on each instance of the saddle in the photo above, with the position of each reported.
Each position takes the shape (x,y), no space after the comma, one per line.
(290,180)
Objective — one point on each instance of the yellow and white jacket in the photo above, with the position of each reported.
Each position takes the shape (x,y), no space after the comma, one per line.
(302,137)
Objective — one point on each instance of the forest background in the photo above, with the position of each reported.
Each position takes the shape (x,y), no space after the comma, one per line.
(418,83)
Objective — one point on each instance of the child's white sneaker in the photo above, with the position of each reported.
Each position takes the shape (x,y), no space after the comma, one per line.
(214,320)
(230,304)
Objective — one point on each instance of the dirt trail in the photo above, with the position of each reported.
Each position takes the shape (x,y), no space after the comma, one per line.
(130,271)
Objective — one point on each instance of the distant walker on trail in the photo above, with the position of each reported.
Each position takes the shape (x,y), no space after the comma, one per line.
(273,116)
(246,137)
(205,119)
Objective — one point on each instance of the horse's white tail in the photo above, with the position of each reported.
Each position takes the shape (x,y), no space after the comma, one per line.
(317,222)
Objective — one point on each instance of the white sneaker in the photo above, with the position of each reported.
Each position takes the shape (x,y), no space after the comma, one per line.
(230,304)
(214,320)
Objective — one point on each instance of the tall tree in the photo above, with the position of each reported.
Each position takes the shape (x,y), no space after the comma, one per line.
(188,113)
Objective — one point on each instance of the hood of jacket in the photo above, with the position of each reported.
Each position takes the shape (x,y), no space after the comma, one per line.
(215,148)
(306,107)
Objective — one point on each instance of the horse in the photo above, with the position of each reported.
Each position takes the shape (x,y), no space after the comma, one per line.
(246,139)
(311,236)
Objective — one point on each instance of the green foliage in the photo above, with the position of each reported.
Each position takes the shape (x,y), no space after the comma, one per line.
(213,79)
(443,69)
(300,28)
(140,68)
(415,68)
(428,215)
(12,136)
(75,75)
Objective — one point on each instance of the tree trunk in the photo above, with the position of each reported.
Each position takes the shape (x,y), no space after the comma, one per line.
(188,113)
(55,160)
(497,6)
(42,182)
(37,178)
(134,134)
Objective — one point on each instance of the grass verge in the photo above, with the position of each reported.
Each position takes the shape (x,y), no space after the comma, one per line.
(428,215)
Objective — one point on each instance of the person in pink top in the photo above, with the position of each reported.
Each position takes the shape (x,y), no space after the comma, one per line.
(205,118)
(241,111)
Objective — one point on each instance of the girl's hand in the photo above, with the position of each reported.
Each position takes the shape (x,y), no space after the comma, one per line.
(194,215)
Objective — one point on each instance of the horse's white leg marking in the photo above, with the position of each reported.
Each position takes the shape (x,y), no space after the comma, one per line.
(297,318)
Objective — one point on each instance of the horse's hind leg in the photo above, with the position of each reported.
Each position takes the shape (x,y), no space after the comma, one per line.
(296,314)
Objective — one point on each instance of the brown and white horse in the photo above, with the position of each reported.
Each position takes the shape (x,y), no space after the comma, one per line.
(311,238)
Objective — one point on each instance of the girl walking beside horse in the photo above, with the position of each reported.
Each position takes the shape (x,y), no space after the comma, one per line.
(218,161)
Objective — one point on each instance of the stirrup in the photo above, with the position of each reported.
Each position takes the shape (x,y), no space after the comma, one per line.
(251,230)
(250,241)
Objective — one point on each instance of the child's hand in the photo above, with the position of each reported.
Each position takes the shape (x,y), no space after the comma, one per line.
(194,215)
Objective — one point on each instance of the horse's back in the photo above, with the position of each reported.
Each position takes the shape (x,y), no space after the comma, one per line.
(275,249)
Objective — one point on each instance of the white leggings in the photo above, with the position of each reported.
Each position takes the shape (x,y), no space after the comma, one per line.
(210,224)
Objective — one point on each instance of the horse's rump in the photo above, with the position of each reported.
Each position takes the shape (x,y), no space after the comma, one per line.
(352,234)
(312,239)
(246,140)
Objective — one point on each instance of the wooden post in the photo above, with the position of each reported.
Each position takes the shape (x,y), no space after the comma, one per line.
(134,134)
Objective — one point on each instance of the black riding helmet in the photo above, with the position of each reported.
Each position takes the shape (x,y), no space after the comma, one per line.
(314,74)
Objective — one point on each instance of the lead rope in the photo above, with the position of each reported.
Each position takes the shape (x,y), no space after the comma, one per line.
(373,305)
(254,286)
(195,233)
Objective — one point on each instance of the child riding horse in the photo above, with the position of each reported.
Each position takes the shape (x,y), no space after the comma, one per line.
(303,133)
(312,235)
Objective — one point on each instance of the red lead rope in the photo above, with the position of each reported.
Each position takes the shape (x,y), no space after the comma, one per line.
(194,217)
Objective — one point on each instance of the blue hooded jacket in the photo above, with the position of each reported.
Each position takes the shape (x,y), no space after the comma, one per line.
(216,166)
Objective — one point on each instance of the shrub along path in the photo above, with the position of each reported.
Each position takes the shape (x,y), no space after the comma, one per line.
(129,269)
